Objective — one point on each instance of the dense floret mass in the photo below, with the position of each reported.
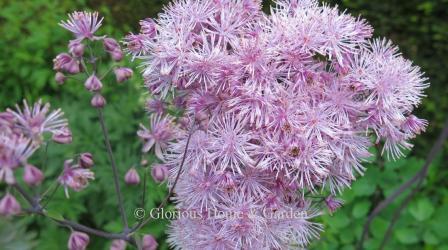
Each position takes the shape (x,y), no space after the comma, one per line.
(276,107)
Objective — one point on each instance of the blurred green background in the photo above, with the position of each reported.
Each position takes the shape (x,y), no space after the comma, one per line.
(30,38)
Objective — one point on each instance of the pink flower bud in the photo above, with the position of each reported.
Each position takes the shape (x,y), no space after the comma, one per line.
(110,44)
(148,27)
(93,84)
(32,175)
(60,78)
(86,160)
(98,101)
(118,245)
(76,48)
(116,55)
(333,204)
(78,241)
(64,62)
(149,243)
(63,136)
(122,74)
(159,172)
(132,177)
(9,205)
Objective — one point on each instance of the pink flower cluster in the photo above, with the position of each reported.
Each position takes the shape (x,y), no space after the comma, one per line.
(83,25)
(275,107)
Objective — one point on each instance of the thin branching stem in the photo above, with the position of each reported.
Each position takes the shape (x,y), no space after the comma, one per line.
(114,168)
(417,178)
(170,193)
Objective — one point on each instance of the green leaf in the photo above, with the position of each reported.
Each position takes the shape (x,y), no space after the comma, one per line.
(340,220)
(360,209)
(54,214)
(406,235)
(379,227)
(430,238)
(422,209)
(363,187)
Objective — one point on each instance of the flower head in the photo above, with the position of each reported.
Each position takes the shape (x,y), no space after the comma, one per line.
(160,133)
(83,24)
(35,120)
(75,177)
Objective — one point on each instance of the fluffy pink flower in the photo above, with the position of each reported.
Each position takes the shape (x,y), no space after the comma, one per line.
(160,133)
(75,177)
(37,119)
(274,106)
(83,24)
(14,151)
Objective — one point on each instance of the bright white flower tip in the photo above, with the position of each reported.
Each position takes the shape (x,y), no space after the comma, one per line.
(82,24)
(36,120)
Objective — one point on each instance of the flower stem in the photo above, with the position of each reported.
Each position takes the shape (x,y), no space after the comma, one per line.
(114,168)
(165,201)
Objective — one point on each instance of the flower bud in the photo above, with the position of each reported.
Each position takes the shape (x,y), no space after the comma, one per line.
(78,241)
(110,44)
(93,84)
(86,160)
(122,74)
(159,172)
(132,177)
(116,55)
(60,78)
(118,245)
(148,27)
(76,48)
(63,136)
(9,205)
(98,101)
(32,175)
(149,243)
(333,204)
(64,62)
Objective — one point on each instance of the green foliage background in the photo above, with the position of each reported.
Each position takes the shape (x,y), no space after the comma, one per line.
(30,38)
